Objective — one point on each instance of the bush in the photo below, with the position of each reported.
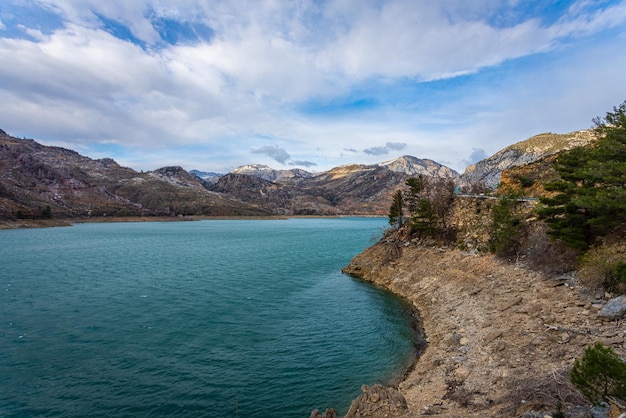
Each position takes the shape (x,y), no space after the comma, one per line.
(600,373)
(545,254)
(604,267)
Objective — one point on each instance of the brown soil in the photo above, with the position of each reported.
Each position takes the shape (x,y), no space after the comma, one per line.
(501,337)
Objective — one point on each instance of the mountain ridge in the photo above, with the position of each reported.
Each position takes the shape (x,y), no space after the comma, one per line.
(489,170)
(35,177)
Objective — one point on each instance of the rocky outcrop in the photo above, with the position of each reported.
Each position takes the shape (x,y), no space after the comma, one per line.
(378,401)
(269,174)
(415,166)
(489,170)
(501,337)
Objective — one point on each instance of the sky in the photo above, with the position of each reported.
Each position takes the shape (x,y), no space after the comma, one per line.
(312,84)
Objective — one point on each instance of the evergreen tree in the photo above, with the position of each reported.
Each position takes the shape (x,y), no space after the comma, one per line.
(428,201)
(413,195)
(600,373)
(590,199)
(396,210)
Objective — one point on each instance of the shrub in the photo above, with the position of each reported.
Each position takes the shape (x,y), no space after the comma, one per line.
(605,267)
(545,254)
(600,373)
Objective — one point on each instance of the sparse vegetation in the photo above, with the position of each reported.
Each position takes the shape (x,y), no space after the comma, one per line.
(549,391)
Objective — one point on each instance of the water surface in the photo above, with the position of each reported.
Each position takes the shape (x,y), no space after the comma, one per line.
(211,318)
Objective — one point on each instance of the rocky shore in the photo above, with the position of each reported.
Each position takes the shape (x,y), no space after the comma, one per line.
(501,337)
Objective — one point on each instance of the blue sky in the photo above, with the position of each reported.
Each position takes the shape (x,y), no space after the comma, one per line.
(314,84)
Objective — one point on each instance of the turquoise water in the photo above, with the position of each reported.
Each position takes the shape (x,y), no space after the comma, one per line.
(193,319)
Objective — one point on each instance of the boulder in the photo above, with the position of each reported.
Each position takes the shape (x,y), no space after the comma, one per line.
(614,309)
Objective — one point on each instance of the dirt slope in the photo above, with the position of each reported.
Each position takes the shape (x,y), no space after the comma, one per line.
(501,338)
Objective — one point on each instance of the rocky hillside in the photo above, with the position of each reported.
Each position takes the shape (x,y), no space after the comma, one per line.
(501,338)
(277,198)
(40,181)
(341,191)
(502,334)
(489,170)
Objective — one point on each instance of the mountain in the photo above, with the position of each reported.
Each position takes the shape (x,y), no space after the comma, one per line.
(406,164)
(415,166)
(42,181)
(278,198)
(358,188)
(267,173)
(206,175)
(489,170)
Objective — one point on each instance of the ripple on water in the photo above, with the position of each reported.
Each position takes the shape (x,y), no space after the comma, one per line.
(192,318)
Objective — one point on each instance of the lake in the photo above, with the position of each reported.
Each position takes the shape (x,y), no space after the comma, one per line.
(211,318)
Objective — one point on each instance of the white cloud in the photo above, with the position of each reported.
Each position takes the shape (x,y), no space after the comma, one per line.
(265,60)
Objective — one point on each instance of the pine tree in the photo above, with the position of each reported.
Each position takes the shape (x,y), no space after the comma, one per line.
(600,373)
(590,199)
(396,210)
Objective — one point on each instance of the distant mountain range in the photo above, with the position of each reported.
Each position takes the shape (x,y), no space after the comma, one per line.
(38,180)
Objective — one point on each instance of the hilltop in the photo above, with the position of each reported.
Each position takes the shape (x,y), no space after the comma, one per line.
(536,148)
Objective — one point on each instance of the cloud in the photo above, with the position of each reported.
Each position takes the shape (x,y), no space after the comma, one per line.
(386,149)
(303,163)
(477,154)
(274,152)
(214,76)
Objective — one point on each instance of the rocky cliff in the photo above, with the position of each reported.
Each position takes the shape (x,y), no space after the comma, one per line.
(489,170)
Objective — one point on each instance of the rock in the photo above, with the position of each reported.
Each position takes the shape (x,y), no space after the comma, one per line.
(510,303)
(614,309)
(491,336)
(612,340)
(600,411)
(329,413)
(463,373)
(378,401)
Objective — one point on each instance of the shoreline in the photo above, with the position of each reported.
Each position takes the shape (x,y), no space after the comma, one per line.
(496,333)
(51,223)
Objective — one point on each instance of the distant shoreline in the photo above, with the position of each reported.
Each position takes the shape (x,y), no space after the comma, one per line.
(51,223)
